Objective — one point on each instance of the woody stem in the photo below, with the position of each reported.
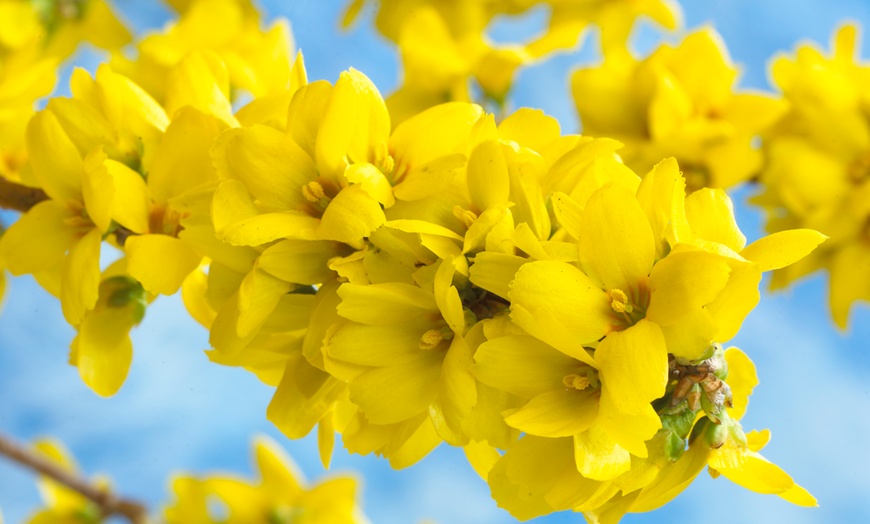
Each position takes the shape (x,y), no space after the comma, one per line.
(19,197)
(108,503)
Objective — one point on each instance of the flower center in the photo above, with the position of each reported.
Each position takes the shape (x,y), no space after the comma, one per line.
(629,311)
(314,193)
(586,378)
(434,337)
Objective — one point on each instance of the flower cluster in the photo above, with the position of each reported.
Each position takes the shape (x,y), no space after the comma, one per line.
(412,277)
(817,166)
(460,281)
(681,102)
(35,36)
(447,55)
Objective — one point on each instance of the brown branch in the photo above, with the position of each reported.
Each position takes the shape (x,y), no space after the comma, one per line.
(108,503)
(19,197)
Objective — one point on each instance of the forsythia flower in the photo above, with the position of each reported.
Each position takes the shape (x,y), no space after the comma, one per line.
(34,38)
(257,61)
(278,496)
(679,102)
(443,43)
(817,172)
(62,503)
(108,159)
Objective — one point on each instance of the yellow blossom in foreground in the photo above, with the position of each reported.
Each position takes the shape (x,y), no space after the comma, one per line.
(817,173)
(279,495)
(681,102)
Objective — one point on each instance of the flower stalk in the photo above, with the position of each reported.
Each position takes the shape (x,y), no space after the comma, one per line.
(108,503)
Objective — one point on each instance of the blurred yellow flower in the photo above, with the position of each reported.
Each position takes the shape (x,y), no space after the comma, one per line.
(817,173)
(681,102)
(278,495)
(63,504)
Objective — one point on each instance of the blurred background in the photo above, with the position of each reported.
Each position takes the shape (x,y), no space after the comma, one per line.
(178,412)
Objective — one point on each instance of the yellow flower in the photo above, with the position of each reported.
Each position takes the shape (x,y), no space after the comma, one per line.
(446,53)
(279,495)
(816,173)
(62,503)
(34,38)
(102,350)
(679,102)
(257,61)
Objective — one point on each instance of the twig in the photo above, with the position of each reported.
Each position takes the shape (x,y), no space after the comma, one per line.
(108,503)
(19,197)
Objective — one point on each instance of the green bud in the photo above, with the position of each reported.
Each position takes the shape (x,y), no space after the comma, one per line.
(675,446)
(125,292)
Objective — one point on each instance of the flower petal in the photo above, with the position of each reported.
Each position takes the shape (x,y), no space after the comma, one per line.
(782,248)
(617,246)
(598,456)
(557,413)
(562,290)
(160,262)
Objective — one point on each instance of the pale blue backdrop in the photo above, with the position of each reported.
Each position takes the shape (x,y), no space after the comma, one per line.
(177,411)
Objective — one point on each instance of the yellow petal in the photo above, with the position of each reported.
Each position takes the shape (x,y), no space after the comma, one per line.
(522,365)
(782,248)
(850,280)
(103,349)
(429,178)
(487,176)
(662,195)
(306,112)
(374,346)
(560,413)
(57,164)
(562,290)
(277,470)
(799,496)
(200,80)
(711,216)
(617,246)
(598,456)
(457,392)
(160,262)
(259,294)
(39,239)
(495,271)
(387,303)
(683,282)
(530,128)
(438,131)
(392,394)
(633,366)
(372,180)
(79,288)
(630,431)
(304,395)
(736,300)
(98,189)
(131,202)
(300,261)
(749,469)
(351,217)
(481,456)
(355,125)
(741,378)
(184,149)
(271,165)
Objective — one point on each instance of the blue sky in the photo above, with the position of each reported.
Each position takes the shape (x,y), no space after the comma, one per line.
(179,412)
